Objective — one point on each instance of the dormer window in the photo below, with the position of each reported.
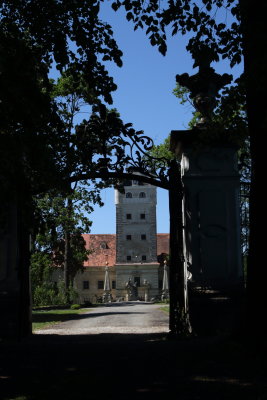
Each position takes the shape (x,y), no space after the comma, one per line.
(142,195)
(129,195)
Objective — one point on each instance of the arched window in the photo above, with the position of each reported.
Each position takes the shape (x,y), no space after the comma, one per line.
(129,195)
(103,245)
(142,195)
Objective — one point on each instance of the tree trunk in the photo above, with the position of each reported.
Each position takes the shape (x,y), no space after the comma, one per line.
(67,250)
(179,313)
(66,259)
(255,61)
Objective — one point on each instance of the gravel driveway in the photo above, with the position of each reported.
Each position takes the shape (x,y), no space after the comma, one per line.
(124,317)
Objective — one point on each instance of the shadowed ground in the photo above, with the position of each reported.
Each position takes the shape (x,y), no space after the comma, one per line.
(137,366)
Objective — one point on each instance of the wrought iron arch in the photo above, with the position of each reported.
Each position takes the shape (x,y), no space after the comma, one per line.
(127,157)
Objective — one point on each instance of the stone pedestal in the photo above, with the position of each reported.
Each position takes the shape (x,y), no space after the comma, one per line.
(107,298)
(211,210)
(145,272)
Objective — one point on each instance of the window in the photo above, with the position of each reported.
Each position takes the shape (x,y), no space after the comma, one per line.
(142,195)
(137,281)
(100,284)
(128,216)
(129,195)
(127,183)
(143,237)
(129,258)
(160,283)
(141,183)
(103,245)
(135,182)
(128,237)
(113,284)
(143,258)
(85,285)
(142,216)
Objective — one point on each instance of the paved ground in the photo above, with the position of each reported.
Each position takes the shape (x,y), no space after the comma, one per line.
(124,317)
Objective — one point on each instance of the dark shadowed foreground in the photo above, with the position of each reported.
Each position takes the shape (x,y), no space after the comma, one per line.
(132,366)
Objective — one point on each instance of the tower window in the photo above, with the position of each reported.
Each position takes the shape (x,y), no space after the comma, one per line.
(113,284)
(143,237)
(103,245)
(128,237)
(85,284)
(129,195)
(128,258)
(143,258)
(142,216)
(128,216)
(142,195)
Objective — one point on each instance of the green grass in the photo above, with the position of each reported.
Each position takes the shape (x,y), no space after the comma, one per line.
(43,319)
(165,309)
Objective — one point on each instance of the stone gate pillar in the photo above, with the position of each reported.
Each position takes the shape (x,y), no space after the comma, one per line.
(211,210)
(15,304)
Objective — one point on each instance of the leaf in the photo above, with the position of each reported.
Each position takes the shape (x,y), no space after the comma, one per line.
(163,48)
(115,6)
(129,16)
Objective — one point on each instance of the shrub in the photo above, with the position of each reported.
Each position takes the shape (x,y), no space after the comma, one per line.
(75,306)
(73,295)
(43,296)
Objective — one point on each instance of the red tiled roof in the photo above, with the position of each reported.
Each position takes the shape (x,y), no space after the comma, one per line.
(103,248)
(163,240)
(100,254)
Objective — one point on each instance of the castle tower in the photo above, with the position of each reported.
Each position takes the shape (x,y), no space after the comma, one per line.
(136,236)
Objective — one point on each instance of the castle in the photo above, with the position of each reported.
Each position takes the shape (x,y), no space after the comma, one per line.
(134,254)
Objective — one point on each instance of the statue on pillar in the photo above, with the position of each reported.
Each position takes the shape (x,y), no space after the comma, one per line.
(107,298)
(205,85)
(165,283)
(131,290)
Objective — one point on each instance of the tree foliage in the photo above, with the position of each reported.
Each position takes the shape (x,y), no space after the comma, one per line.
(55,219)
(205,21)
(35,36)
(62,215)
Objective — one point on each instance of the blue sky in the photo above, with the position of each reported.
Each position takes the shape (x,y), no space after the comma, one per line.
(144,97)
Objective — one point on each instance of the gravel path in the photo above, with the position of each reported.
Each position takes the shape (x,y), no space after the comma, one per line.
(125,317)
